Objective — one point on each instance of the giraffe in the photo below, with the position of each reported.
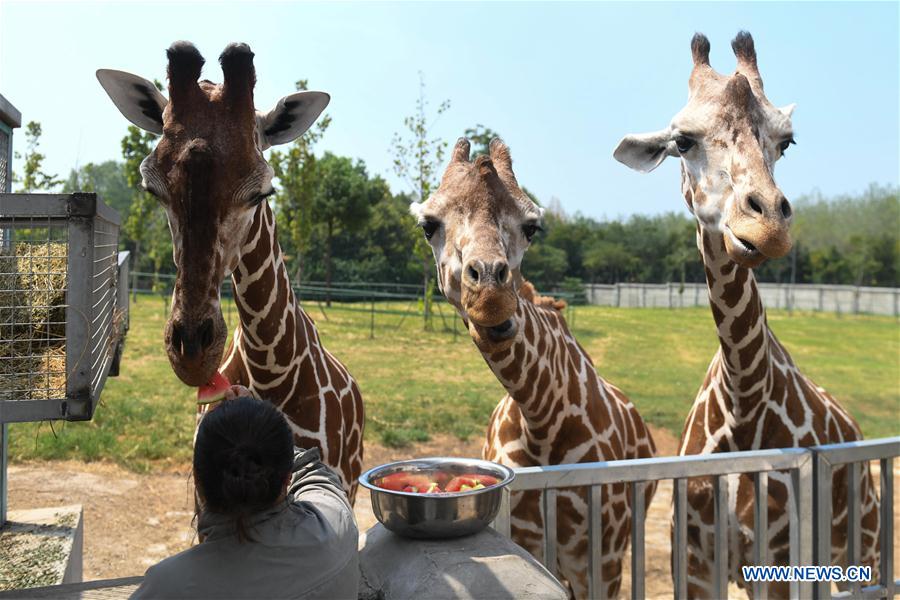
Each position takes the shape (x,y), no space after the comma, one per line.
(557,409)
(209,174)
(729,137)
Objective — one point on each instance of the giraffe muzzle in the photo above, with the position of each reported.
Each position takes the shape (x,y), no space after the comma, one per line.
(194,347)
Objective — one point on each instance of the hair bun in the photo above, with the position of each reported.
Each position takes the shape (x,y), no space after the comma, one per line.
(242,456)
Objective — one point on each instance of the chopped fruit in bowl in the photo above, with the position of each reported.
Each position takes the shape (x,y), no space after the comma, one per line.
(418,483)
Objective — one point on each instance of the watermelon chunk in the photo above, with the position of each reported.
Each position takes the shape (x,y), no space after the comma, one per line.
(214,390)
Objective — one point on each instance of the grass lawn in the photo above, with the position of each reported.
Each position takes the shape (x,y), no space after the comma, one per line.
(417,383)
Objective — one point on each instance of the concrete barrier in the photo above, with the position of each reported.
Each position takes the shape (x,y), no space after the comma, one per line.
(484,565)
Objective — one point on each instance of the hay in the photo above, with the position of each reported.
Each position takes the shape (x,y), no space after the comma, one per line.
(32,321)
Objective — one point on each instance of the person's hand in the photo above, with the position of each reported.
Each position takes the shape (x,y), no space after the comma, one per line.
(236,391)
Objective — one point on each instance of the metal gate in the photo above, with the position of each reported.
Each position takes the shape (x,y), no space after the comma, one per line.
(805,540)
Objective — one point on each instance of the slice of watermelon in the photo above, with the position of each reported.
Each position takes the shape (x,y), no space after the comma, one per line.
(214,390)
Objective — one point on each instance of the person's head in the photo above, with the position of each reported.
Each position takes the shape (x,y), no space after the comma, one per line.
(242,459)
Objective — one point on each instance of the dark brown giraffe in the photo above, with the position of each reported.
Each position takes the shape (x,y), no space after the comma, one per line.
(209,174)
(729,137)
(557,409)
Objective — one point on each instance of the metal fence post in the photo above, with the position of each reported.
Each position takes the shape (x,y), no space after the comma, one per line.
(720,536)
(802,553)
(887,525)
(679,549)
(78,322)
(822,530)
(501,523)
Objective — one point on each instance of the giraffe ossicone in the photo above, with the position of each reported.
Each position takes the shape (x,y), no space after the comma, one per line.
(729,137)
(557,409)
(210,176)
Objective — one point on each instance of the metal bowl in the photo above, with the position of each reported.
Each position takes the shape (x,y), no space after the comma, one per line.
(440,515)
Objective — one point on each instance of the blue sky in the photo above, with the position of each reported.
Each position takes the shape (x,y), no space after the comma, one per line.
(561,82)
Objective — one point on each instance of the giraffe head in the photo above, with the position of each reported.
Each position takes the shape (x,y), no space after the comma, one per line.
(479,223)
(209,174)
(729,137)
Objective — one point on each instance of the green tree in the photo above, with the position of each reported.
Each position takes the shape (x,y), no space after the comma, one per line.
(342,199)
(145,225)
(34,177)
(107,179)
(295,168)
(544,265)
(418,156)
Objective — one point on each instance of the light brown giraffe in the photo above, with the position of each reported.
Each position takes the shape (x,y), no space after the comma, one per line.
(557,409)
(729,137)
(209,174)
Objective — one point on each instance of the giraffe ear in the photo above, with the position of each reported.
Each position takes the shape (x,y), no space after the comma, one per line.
(136,98)
(788,110)
(645,151)
(415,209)
(291,117)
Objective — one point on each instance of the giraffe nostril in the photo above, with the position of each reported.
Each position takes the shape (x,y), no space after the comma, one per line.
(502,272)
(786,210)
(754,205)
(177,338)
(472,272)
(206,333)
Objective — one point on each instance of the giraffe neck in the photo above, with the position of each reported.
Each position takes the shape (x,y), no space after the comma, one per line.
(744,336)
(541,367)
(274,329)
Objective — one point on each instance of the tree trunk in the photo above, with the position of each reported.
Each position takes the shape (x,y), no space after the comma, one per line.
(328,265)
(135,267)
(427,300)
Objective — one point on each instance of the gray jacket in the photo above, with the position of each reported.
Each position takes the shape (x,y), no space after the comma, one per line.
(305,547)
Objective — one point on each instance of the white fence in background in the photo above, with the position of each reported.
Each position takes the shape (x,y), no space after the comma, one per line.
(824,298)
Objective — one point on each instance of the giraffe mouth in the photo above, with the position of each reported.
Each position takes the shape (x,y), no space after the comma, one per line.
(742,251)
(502,332)
(741,244)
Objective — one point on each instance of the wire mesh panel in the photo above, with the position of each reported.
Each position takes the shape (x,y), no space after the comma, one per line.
(60,315)
(33,266)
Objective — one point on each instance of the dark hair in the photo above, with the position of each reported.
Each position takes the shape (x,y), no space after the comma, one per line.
(242,457)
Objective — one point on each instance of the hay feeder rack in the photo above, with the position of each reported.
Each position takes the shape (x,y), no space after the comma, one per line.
(63,307)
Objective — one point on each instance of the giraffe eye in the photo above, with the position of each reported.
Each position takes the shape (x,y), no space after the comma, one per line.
(429,227)
(529,229)
(684,143)
(258,199)
(783,146)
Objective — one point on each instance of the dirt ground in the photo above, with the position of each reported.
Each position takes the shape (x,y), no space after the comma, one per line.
(132,521)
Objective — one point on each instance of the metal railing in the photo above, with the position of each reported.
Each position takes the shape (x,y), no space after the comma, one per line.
(853,456)
(804,542)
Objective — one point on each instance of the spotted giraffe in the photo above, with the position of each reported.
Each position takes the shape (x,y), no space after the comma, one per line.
(557,409)
(729,137)
(210,176)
